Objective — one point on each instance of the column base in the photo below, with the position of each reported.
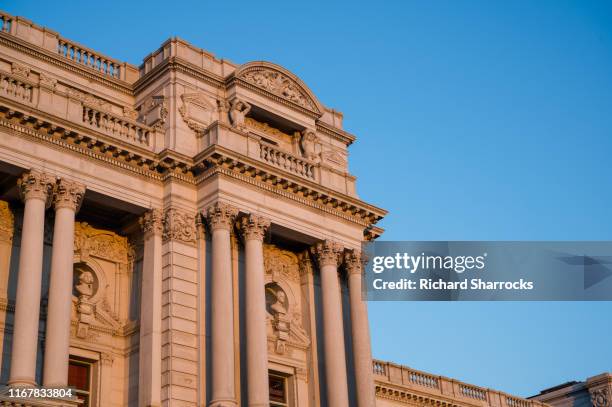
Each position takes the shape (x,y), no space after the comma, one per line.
(223,403)
(22,382)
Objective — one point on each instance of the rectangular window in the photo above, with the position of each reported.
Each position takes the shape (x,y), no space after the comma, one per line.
(79,378)
(278,391)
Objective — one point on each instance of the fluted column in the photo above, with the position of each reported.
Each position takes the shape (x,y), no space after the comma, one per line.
(362,353)
(328,255)
(35,189)
(67,200)
(223,393)
(149,386)
(254,228)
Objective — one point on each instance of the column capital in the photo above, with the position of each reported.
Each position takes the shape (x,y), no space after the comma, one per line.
(254,227)
(68,194)
(304,263)
(327,253)
(151,222)
(221,216)
(354,260)
(35,184)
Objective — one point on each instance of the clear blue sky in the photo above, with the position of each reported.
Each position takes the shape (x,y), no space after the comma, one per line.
(476,120)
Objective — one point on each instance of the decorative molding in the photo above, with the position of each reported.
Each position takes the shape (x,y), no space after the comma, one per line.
(254,227)
(179,226)
(47,82)
(68,194)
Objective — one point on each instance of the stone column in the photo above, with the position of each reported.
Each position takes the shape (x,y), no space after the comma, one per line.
(362,354)
(223,392)
(254,228)
(149,386)
(328,255)
(67,200)
(35,189)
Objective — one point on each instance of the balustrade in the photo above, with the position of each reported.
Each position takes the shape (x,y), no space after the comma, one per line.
(14,87)
(5,22)
(422,379)
(286,161)
(473,392)
(85,56)
(118,127)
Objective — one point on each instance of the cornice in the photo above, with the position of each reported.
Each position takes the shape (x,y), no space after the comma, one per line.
(220,160)
(395,393)
(169,165)
(47,56)
(61,144)
(339,134)
(180,65)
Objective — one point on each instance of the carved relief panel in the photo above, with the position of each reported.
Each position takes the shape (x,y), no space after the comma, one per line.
(284,303)
(197,111)
(103,283)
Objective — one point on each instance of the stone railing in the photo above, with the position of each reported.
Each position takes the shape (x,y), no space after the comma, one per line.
(51,41)
(410,380)
(5,22)
(286,161)
(16,87)
(118,127)
(473,392)
(89,58)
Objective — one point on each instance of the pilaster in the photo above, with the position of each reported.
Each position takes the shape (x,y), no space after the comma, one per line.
(180,337)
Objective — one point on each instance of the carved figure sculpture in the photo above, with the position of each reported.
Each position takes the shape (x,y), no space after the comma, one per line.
(85,285)
(309,142)
(238,112)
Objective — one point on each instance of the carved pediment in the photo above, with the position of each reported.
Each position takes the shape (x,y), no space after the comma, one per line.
(279,82)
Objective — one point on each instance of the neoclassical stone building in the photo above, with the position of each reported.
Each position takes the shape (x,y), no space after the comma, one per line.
(184,233)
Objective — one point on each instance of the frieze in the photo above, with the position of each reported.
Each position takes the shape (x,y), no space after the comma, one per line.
(265,128)
(89,241)
(281,264)
(20,70)
(279,84)
(47,82)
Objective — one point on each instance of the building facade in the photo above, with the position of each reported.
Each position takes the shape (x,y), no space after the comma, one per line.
(184,233)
